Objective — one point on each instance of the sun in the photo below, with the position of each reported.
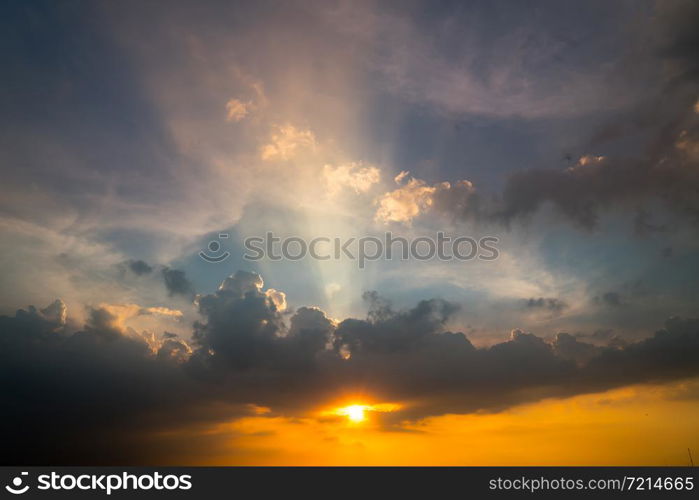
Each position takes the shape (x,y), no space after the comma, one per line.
(355,413)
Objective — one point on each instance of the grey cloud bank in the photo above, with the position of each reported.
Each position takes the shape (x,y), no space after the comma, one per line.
(105,386)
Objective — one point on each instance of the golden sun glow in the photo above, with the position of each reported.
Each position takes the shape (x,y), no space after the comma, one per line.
(357,412)
(588,429)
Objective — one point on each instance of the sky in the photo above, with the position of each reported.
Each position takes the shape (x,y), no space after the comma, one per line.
(133,135)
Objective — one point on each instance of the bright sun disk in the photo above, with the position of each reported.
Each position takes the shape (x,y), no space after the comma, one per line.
(355,413)
(358,412)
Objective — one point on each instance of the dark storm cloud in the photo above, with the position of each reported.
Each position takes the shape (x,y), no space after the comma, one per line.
(602,337)
(177,283)
(568,347)
(139,267)
(244,342)
(461,200)
(70,397)
(580,193)
(646,154)
(667,172)
(106,386)
(665,168)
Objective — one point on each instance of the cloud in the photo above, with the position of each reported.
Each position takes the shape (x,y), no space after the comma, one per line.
(236,110)
(568,347)
(405,203)
(603,338)
(139,267)
(177,282)
(157,168)
(123,312)
(173,349)
(666,170)
(107,379)
(666,173)
(522,65)
(639,157)
(286,141)
(354,176)
(588,160)
(56,312)
(244,330)
(416,197)
(97,387)
(162,311)
(277,298)
(402,175)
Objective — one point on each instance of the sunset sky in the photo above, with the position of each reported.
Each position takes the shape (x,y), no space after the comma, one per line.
(133,134)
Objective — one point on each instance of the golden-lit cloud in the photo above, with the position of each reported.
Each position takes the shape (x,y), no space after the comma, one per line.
(405,203)
(236,110)
(402,175)
(416,197)
(588,159)
(124,312)
(354,176)
(277,298)
(141,323)
(286,141)
(162,311)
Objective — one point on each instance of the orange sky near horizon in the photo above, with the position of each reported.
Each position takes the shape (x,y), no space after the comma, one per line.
(638,425)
